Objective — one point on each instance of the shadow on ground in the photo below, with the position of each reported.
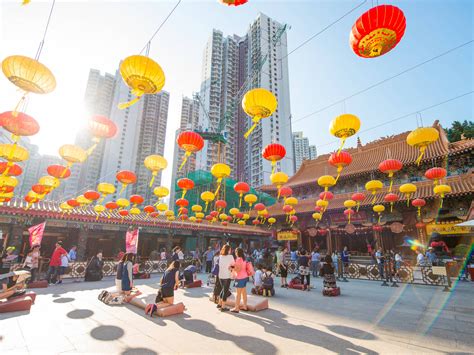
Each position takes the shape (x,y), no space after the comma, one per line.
(80,314)
(107,332)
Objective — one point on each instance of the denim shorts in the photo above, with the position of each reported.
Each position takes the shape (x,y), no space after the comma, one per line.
(241,283)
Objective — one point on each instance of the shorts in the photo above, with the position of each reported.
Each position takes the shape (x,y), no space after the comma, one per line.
(283,271)
(167,292)
(62,270)
(241,283)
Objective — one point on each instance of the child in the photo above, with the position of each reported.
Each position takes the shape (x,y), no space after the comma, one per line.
(268,285)
(257,281)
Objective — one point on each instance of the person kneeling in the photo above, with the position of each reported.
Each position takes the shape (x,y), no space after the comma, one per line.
(169,283)
(268,284)
(189,274)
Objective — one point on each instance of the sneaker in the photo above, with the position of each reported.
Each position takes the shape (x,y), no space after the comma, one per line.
(60,282)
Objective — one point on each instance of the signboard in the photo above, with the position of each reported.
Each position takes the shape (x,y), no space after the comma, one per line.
(36,234)
(131,241)
(439,270)
(288,235)
(448,228)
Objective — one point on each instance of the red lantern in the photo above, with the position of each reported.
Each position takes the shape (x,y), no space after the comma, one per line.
(436,174)
(274,152)
(214,214)
(183,217)
(420,225)
(185,184)
(190,142)
(126,177)
(209,218)
(418,203)
(225,223)
(8,189)
(377,228)
(73,203)
(123,213)
(322,232)
(389,167)
(221,204)
(136,200)
(239,215)
(348,213)
(153,214)
(287,208)
(109,205)
(102,127)
(182,202)
(255,222)
(286,191)
(317,208)
(183,210)
(10,170)
(293,219)
(59,171)
(21,125)
(92,195)
(241,188)
(358,197)
(149,209)
(30,199)
(377,31)
(340,160)
(229,218)
(391,198)
(259,207)
(233,2)
(326,195)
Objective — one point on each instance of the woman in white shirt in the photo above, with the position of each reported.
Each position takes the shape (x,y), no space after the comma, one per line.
(226,265)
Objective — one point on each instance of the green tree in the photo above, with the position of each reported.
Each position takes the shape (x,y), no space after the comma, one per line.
(460,129)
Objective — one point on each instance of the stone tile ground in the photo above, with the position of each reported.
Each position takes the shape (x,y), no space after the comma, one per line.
(367,318)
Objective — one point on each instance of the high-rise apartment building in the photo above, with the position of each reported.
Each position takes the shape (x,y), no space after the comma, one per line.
(232,65)
(141,132)
(302,149)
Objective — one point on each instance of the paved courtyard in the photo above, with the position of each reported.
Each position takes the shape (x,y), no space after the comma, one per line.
(367,318)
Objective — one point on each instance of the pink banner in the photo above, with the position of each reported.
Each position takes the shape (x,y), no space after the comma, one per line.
(131,241)
(36,234)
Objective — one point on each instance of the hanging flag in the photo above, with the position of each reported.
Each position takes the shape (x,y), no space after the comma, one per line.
(36,234)
(131,241)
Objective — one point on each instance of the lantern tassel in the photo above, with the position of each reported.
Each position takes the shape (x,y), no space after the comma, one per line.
(343,140)
(205,208)
(240,201)
(422,153)
(273,166)
(184,193)
(375,197)
(255,121)
(278,197)
(152,178)
(380,216)
(218,188)
(7,169)
(441,203)
(124,186)
(408,200)
(125,105)
(17,107)
(391,184)
(92,148)
(339,170)
(391,207)
(349,218)
(65,170)
(419,211)
(185,159)
(358,205)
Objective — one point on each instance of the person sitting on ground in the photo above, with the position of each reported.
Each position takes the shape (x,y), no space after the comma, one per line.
(169,283)
(268,286)
(329,283)
(258,280)
(189,274)
(7,260)
(137,274)
(94,268)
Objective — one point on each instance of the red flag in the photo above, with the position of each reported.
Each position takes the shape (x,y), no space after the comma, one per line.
(131,241)
(36,234)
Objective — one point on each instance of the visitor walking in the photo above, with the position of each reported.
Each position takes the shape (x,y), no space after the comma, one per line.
(380,259)
(209,255)
(226,266)
(32,261)
(304,263)
(72,255)
(345,259)
(241,270)
(55,263)
(315,262)
(94,268)
(283,267)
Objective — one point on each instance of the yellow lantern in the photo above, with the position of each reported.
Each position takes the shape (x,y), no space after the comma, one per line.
(442,190)
(250,199)
(123,203)
(135,211)
(292,201)
(258,103)
(199,215)
(29,75)
(278,179)
(374,186)
(223,217)
(49,182)
(326,181)
(161,192)
(323,204)
(241,222)
(99,209)
(421,138)
(8,181)
(379,209)
(65,207)
(246,217)
(192,219)
(32,197)
(220,171)
(83,201)
(143,75)
(155,163)
(105,189)
(162,207)
(13,153)
(169,213)
(171,218)
(207,196)
(350,203)
(196,208)
(317,216)
(343,127)
(408,190)
(72,154)
(233,212)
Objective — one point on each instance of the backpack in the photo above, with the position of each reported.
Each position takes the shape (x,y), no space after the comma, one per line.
(268,281)
(249,269)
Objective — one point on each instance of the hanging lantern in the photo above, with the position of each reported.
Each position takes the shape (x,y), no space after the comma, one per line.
(241,188)
(318,209)
(408,190)
(221,205)
(287,209)
(123,203)
(418,203)
(293,220)
(391,198)
(50,182)
(192,219)
(442,190)
(99,209)
(185,184)
(136,200)
(29,75)
(233,2)
(83,201)
(199,215)
(196,208)
(73,203)
(271,222)
(278,179)
(105,189)
(292,201)
(374,186)
(182,203)
(169,213)
(358,197)
(326,181)
(241,223)
(340,161)
(326,195)
(110,206)
(19,124)
(162,207)
(161,192)
(155,163)
(255,222)
(286,191)
(250,199)
(207,197)
(350,204)
(92,195)
(149,210)
(379,209)
(343,127)
(100,127)
(220,171)
(377,31)
(389,167)
(421,138)
(259,207)
(7,182)
(436,174)
(142,75)
(420,225)
(258,103)
(190,142)
(72,154)
(317,216)
(65,207)
(13,153)
(348,213)
(59,171)
(377,228)
(31,198)
(134,211)
(323,204)
(123,214)
(12,170)
(126,177)
(274,152)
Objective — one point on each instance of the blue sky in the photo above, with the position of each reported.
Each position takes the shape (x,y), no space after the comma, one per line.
(97,34)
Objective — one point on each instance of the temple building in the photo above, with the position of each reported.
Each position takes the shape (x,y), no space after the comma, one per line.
(397,228)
